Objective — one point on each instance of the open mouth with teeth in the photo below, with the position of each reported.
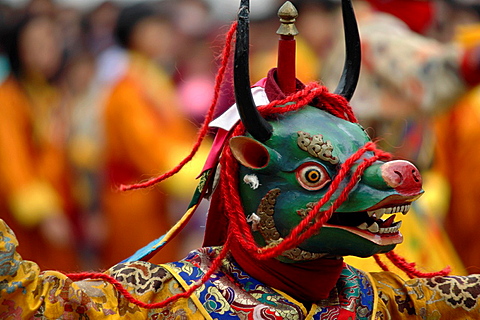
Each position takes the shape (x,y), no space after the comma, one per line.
(373,225)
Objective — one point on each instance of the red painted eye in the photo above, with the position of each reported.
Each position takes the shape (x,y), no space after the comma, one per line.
(312,176)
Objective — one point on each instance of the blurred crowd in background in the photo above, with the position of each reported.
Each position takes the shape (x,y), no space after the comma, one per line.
(93,99)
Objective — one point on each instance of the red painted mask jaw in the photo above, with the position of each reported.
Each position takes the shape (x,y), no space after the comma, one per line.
(380,225)
(405,179)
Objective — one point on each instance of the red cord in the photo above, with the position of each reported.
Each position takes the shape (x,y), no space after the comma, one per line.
(121,289)
(332,103)
(410,270)
(380,262)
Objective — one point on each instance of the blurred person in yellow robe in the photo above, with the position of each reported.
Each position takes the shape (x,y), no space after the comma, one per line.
(34,180)
(145,135)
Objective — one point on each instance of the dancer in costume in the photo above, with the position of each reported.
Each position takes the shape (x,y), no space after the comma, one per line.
(294,186)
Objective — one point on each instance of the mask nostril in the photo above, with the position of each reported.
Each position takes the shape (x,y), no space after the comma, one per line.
(416,175)
(394,179)
(400,176)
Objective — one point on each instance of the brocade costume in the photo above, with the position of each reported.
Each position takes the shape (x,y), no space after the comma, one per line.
(229,294)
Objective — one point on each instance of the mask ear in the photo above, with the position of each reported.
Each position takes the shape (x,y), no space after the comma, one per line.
(249,152)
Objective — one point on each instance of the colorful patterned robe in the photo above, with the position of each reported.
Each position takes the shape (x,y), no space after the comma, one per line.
(28,293)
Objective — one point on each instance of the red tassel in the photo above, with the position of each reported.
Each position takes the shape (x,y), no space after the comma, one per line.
(411,271)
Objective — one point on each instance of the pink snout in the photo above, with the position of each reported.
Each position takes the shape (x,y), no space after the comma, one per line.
(402,176)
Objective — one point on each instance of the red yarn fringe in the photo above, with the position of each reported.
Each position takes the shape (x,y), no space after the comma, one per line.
(380,263)
(411,271)
(409,267)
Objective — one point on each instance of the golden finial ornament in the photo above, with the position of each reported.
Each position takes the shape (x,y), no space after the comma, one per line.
(287,14)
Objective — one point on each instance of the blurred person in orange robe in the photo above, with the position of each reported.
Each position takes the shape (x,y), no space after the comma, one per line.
(457,134)
(145,135)
(34,180)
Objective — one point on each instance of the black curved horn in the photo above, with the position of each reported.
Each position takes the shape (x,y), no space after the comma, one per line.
(258,127)
(351,69)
